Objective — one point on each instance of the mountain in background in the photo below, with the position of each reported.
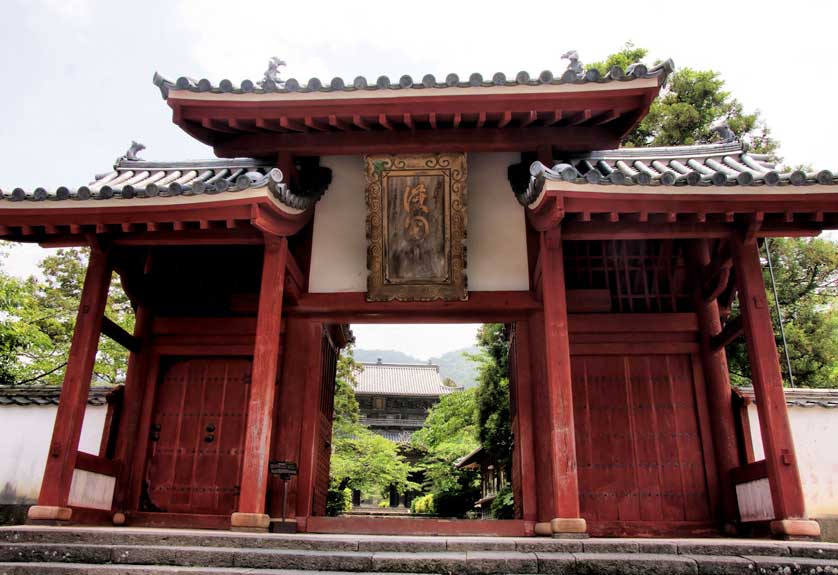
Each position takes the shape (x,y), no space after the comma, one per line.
(452,364)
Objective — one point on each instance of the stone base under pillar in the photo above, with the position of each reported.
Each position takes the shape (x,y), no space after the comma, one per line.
(250,522)
(796,529)
(571,527)
(49,513)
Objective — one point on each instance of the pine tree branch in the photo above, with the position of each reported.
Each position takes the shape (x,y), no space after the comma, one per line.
(46,373)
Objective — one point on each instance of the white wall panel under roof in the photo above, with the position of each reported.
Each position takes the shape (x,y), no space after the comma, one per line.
(496,244)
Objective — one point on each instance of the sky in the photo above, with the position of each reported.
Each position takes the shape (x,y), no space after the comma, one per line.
(77,73)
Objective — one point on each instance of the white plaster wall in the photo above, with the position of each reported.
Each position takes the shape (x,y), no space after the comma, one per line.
(496,244)
(815,431)
(25,435)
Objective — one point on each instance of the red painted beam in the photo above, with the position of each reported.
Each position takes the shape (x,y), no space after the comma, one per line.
(254,482)
(418,141)
(558,396)
(63,450)
(780,457)
(484,306)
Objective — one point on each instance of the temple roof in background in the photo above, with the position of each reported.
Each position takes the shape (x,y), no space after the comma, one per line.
(402,379)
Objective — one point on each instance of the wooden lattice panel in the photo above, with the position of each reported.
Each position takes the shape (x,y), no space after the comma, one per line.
(642,276)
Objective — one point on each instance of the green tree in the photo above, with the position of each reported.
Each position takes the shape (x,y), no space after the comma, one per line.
(360,459)
(493,393)
(38,317)
(806,273)
(450,432)
(690,105)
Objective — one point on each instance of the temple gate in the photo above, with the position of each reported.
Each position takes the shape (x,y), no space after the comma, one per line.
(390,201)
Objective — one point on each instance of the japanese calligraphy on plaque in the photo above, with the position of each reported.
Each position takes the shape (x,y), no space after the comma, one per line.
(416,227)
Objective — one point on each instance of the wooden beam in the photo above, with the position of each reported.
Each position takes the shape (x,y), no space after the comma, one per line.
(360,122)
(777,440)
(732,331)
(717,384)
(256,453)
(455,122)
(339,307)
(581,117)
(505,118)
(608,116)
(419,141)
(63,449)
(117,333)
(338,124)
(407,120)
(382,119)
(291,125)
(314,124)
(553,117)
(529,118)
(432,120)
(557,393)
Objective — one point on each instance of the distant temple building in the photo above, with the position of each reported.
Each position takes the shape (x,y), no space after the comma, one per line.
(394,398)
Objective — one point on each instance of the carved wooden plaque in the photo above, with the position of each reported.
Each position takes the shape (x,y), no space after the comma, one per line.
(416,227)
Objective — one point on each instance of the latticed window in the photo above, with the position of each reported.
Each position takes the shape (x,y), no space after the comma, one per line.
(641,276)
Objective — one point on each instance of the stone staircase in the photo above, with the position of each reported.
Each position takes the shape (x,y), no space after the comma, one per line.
(134,551)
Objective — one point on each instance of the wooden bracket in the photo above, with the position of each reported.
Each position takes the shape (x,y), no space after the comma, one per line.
(732,330)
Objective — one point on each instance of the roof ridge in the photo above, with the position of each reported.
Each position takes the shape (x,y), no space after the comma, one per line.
(360,83)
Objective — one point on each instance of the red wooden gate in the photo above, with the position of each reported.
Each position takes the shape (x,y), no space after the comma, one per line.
(197,433)
(639,444)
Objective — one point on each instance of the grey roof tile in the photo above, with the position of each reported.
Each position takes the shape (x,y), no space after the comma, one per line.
(723,164)
(801,396)
(401,379)
(406,82)
(147,179)
(39,395)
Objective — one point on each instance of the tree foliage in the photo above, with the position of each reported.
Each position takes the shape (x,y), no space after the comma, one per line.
(38,317)
(361,459)
(806,273)
(493,393)
(450,432)
(690,105)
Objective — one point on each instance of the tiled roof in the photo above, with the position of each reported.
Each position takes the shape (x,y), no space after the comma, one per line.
(802,396)
(394,435)
(723,164)
(401,379)
(131,179)
(360,83)
(45,395)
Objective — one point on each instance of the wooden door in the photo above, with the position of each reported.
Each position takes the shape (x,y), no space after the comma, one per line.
(197,436)
(640,448)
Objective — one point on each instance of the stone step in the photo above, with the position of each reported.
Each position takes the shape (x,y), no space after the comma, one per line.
(128,536)
(574,564)
(25,557)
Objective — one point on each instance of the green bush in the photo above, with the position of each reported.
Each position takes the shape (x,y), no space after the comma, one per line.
(338,501)
(423,505)
(503,506)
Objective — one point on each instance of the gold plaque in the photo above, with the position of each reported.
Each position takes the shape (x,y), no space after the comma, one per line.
(416,227)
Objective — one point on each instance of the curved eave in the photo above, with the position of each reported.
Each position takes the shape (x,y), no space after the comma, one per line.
(495,118)
(245,215)
(592,210)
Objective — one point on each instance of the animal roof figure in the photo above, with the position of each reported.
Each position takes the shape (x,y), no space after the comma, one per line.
(272,73)
(575,65)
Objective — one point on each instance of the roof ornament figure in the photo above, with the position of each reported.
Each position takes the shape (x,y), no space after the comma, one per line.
(131,153)
(272,73)
(725,133)
(575,65)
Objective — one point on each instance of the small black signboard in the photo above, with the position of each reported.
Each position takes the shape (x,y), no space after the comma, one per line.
(283,468)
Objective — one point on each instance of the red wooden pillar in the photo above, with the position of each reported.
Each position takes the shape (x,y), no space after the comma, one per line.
(524,450)
(719,394)
(558,395)
(61,460)
(780,458)
(257,443)
(128,439)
